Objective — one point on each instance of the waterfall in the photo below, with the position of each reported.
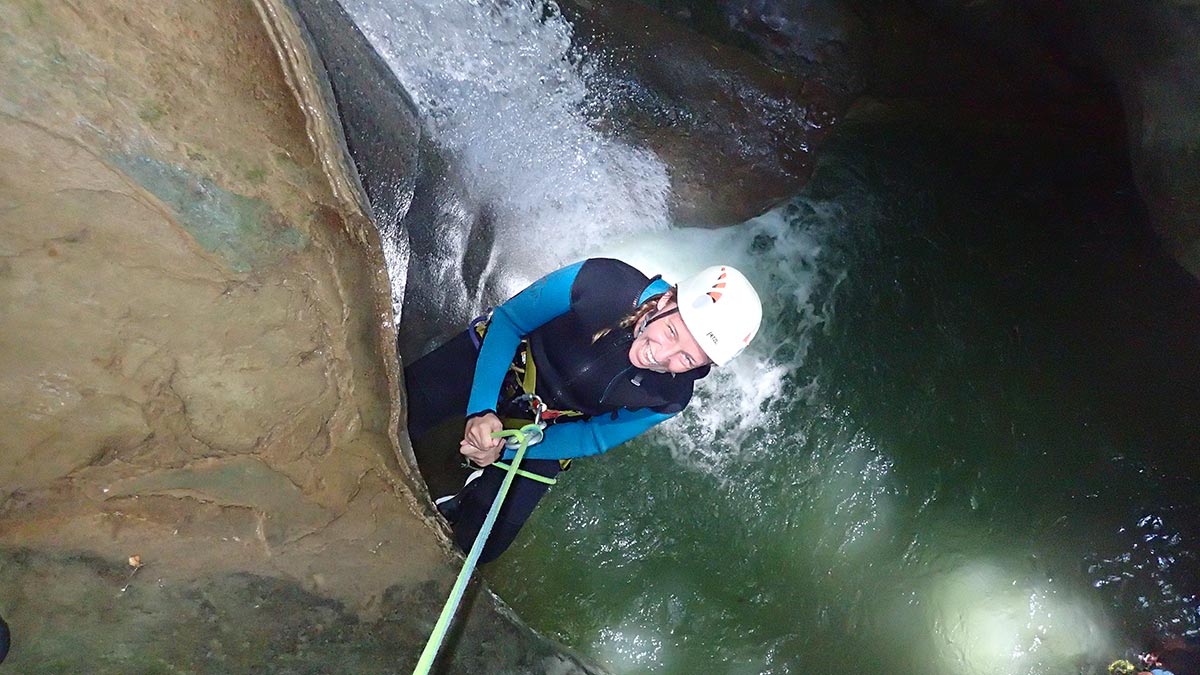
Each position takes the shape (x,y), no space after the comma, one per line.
(503,95)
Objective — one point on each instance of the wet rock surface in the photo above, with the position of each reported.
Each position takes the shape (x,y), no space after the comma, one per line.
(197,364)
(1125,74)
(1151,52)
(378,118)
(412,186)
(737,137)
(106,620)
(823,40)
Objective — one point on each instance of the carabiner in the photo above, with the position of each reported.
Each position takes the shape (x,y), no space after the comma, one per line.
(534,433)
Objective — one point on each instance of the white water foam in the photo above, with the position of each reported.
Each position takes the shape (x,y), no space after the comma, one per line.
(779,253)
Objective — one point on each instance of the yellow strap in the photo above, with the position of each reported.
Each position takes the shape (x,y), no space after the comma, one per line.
(529,379)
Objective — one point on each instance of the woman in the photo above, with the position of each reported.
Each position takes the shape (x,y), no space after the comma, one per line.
(597,352)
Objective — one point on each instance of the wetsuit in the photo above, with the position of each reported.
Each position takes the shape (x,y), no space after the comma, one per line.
(559,315)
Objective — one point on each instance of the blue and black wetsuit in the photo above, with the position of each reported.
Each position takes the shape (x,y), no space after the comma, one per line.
(560,316)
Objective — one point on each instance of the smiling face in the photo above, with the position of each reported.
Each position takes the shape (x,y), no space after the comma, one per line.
(665,345)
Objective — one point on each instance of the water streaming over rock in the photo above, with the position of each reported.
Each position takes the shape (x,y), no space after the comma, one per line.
(503,95)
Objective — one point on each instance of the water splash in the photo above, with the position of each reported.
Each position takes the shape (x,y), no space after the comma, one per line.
(780,253)
(503,93)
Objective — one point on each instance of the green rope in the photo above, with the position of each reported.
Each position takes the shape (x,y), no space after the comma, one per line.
(460,584)
(527,474)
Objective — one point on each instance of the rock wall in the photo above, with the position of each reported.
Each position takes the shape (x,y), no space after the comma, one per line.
(1123,73)
(1152,52)
(416,192)
(197,364)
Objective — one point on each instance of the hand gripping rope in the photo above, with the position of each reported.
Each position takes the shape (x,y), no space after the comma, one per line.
(523,436)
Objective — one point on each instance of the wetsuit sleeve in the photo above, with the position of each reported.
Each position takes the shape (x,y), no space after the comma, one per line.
(593,436)
(541,302)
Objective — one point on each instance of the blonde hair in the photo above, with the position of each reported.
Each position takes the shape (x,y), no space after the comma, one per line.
(639,313)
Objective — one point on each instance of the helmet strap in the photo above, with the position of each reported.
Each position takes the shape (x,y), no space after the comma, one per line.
(655,316)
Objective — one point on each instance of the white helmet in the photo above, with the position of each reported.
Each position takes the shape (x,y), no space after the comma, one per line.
(722,311)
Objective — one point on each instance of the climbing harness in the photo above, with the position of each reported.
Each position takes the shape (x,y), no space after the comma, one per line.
(522,436)
(524,372)
(543,416)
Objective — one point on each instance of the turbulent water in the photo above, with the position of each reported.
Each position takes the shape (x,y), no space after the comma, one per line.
(911,470)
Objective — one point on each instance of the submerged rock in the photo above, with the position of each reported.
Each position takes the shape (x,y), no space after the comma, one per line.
(197,367)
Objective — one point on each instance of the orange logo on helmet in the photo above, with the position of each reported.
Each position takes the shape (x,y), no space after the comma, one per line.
(720,283)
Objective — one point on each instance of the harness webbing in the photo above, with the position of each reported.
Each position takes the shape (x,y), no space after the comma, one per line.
(526,375)
(425,663)
(529,377)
